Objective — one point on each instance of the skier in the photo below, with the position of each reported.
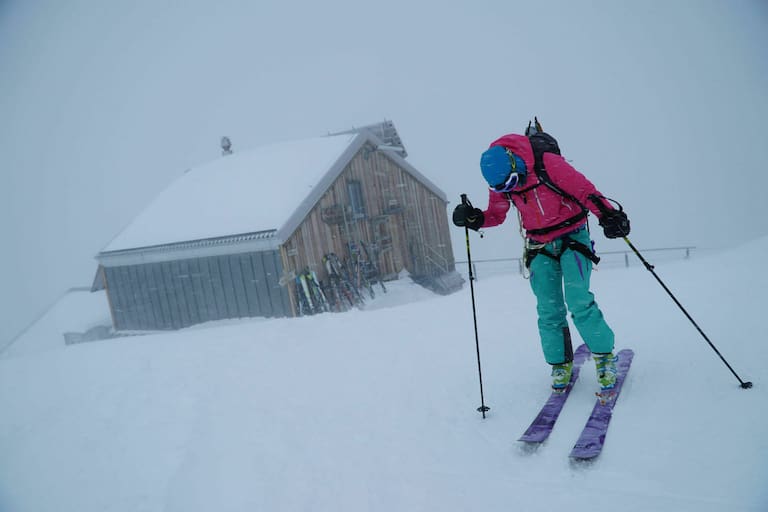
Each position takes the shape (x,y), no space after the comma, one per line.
(553,200)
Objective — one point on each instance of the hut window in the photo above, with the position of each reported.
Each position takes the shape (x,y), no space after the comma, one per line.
(355,191)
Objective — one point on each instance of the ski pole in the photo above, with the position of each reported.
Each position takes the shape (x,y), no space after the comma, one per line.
(483,408)
(649,267)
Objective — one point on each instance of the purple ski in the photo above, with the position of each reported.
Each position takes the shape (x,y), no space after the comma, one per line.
(591,441)
(543,424)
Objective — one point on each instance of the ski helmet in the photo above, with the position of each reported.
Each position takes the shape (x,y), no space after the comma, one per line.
(502,169)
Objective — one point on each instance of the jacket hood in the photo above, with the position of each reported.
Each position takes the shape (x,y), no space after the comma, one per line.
(519,145)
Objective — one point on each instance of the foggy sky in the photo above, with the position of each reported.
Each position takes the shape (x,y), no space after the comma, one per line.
(661,104)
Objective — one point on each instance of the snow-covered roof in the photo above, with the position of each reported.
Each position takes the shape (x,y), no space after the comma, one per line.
(268,190)
(245,192)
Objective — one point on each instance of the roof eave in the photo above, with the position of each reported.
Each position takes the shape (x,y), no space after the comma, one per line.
(219,246)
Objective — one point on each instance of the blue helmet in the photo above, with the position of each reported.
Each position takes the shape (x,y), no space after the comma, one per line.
(502,169)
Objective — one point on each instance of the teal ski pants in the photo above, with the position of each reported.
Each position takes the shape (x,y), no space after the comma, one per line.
(561,281)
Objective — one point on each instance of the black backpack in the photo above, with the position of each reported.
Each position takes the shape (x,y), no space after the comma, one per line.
(542,142)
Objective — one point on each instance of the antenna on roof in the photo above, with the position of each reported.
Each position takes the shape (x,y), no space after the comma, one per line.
(226,146)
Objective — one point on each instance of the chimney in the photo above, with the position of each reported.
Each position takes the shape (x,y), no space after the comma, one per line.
(226,146)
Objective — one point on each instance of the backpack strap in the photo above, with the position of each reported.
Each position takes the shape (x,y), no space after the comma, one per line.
(579,247)
(568,243)
(572,221)
(541,143)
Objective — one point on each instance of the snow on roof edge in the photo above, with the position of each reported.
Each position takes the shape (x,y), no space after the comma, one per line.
(309,202)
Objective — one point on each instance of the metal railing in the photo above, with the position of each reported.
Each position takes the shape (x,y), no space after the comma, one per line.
(608,259)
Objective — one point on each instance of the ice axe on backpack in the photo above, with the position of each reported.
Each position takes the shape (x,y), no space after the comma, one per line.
(650,268)
(533,128)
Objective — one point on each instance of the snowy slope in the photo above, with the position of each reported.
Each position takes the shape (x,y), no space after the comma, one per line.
(76,311)
(375,409)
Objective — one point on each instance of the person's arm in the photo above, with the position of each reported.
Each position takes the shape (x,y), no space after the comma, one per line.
(496,213)
(466,215)
(614,222)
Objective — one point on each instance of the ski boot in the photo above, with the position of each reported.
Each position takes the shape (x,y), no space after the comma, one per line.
(561,376)
(605,364)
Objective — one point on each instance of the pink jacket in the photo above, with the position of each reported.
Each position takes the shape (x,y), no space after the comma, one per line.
(542,207)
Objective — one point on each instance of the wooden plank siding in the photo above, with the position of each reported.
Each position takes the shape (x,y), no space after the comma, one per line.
(403,217)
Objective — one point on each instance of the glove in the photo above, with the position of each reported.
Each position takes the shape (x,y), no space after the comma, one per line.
(615,224)
(464,215)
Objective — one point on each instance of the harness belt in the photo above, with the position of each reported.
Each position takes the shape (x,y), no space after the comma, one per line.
(564,224)
(568,243)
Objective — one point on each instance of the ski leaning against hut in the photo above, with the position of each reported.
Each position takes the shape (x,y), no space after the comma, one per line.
(553,201)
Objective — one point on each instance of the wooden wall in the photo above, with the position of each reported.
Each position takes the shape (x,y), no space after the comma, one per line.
(405,220)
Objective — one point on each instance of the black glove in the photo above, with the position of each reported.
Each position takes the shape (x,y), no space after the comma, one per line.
(615,224)
(466,215)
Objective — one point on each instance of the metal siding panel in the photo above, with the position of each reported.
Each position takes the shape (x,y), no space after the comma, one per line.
(169,276)
(176,294)
(226,281)
(178,288)
(272,283)
(152,295)
(112,299)
(129,304)
(190,292)
(218,287)
(170,293)
(121,297)
(262,283)
(145,298)
(131,308)
(132,317)
(251,285)
(196,280)
(161,295)
(238,286)
(207,286)
(115,291)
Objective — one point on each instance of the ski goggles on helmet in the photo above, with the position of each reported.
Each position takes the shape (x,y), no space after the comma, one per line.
(509,183)
(517,172)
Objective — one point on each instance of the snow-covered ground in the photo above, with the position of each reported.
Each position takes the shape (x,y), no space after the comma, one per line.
(375,410)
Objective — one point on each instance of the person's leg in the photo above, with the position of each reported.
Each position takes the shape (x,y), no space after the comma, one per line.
(546,283)
(586,314)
